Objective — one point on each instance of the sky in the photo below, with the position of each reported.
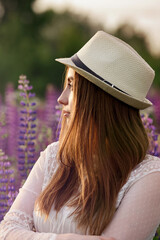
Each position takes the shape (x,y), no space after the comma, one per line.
(143,14)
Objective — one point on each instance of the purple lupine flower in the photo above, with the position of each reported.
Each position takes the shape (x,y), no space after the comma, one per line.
(11,120)
(154,97)
(7,184)
(27,124)
(48,116)
(22,103)
(30,95)
(3,131)
(51,117)
(152,135)
(1,104)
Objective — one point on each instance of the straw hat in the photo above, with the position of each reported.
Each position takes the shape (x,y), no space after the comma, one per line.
(115,67)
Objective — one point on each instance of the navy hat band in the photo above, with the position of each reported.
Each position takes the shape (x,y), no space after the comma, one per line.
(75,59)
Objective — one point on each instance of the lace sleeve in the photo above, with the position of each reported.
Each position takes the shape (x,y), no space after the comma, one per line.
(138,215)
(18,222)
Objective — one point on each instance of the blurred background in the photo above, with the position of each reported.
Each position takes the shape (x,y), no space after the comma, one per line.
(35,32)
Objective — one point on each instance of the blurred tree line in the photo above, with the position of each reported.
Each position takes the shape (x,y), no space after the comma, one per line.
(29,43)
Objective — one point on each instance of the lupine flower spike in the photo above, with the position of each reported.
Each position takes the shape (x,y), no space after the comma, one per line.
(7,186)
(26,150)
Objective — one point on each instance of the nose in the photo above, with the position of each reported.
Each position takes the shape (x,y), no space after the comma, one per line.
(63,98)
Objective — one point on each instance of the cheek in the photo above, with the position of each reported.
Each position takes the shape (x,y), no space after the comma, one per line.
(71,99)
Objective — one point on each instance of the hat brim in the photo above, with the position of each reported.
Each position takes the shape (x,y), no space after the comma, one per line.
(134,102)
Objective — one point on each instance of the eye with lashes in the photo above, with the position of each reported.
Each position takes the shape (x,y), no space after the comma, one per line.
(70,85)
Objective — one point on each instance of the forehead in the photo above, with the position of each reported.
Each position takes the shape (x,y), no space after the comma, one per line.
(70,74)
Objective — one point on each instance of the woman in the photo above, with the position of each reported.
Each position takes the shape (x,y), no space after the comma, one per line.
(98,181)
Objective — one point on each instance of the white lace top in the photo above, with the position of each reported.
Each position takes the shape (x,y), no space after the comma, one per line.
(136,218)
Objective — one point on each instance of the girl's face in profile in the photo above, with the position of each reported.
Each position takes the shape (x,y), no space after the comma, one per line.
(66,97)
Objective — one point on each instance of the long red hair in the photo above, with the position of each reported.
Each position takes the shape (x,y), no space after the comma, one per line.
(104,141)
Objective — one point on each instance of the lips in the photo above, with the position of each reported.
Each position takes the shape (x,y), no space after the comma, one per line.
(66,113)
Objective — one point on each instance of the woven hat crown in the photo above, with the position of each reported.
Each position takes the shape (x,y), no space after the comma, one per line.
(117,63)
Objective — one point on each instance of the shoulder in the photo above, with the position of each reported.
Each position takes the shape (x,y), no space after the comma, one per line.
(51,162)
(51,153)
(142,173)
(150,164)
(51,149)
